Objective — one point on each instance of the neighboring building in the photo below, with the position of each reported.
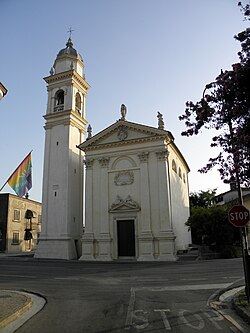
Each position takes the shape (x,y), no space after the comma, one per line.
(137,198)
(231,196)
(136,180)
(17,234)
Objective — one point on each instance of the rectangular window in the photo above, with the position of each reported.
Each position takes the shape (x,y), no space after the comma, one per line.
(17,215)
(15,239)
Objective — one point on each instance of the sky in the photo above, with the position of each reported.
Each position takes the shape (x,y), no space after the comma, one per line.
(149,55)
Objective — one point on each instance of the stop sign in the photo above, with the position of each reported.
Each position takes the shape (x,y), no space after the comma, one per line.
(238,216)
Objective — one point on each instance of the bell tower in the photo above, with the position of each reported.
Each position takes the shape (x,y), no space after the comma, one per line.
(65,121)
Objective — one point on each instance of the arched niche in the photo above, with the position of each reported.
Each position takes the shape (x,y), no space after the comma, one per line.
(123,162)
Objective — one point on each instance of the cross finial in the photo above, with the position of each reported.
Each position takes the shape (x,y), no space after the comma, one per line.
(70,32)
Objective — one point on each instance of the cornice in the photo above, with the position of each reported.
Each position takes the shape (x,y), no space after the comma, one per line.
(125,125)
(67,117)
(177,151)
(123,143)
(70,74)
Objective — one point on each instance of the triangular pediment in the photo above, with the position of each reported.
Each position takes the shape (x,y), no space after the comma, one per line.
(124,132)
(127,204)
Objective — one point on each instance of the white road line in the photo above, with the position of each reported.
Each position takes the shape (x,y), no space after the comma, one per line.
(20,276)
(70,278)
(198,279)
(131,306)
(185,287)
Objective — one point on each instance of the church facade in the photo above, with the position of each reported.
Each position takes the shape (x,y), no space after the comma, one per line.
(136,199)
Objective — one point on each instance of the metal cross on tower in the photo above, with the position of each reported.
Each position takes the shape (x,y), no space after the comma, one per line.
(70,32)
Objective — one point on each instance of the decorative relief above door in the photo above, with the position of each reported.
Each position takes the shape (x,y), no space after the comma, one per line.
(127,204)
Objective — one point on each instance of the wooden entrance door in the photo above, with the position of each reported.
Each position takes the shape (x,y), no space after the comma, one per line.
(126,238)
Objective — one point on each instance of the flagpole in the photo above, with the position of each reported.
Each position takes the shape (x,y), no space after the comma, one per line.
(4,185)
(15,170)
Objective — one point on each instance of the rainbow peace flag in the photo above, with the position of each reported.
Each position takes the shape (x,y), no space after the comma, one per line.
(21,179)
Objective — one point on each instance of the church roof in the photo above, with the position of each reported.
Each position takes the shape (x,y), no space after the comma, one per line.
(69,50)
(99,139)
(124,132)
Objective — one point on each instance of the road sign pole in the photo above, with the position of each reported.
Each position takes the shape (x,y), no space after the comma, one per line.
(246,261)
(239,216)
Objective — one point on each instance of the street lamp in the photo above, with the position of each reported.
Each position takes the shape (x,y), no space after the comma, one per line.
(3,90)
(28,215)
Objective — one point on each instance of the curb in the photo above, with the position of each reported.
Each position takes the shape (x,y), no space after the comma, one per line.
(222,301)
(27,305)
(32,306)
(240,310)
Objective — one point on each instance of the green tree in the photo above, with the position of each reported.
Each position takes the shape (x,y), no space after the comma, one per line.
(225,107)
(202,198)
(209,224)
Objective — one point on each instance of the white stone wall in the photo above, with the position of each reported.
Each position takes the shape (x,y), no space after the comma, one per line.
(180,200)
(144,174)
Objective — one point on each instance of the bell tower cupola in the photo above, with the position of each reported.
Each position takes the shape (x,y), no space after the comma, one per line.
(65,122)
(67,87)
(68,58)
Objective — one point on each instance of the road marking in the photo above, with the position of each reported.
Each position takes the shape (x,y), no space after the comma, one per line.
(73,278)
(20,276)
(184,287)
(164,318)
(140,315)
(198,320)
(214,318)
(131,305)
(135,316)
(194,279)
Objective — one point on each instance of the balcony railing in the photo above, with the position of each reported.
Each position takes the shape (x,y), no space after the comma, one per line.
(58,108)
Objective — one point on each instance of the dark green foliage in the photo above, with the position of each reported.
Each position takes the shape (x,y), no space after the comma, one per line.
(210,226)
(202,198)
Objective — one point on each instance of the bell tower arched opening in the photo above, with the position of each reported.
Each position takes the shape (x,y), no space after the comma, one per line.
(78,102)
(59,101)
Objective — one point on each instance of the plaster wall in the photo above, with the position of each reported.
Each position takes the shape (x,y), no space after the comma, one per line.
(146,182)
(65,64)
(180,200)
(18,225)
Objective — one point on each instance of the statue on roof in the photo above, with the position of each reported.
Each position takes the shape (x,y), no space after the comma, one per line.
(89,131)
(52,71)
(160,121)
(123,112)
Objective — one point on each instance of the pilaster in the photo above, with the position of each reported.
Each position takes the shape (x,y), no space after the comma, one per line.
(88,240)
(104,240)
(145,238)
(164,196)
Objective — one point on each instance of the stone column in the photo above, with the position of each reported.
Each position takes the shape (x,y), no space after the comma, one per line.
(166,237)
(145,235)
(104,240)
(88,239)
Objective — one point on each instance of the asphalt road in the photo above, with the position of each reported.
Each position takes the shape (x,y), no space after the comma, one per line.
(122,297)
